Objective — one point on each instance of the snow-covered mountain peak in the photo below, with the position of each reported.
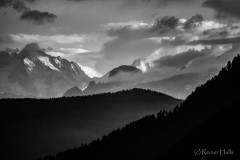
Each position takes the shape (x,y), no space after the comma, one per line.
(33,72)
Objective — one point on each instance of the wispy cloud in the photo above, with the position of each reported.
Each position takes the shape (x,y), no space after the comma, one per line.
(131,24)
(73,50)
(44,39)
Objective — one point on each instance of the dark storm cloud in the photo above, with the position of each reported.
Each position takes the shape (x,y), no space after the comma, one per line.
(224,8)
(5,3)
(166,23)
(198,18)
(34,16)
(31,1)
(37,17)
(19,6)
(217,41)
(133,3)
(180,60)
(143,1)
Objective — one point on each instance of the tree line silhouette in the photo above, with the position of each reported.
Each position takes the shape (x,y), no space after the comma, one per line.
(208,119)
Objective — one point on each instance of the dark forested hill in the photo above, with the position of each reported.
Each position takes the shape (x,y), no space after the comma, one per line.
(204,125)
(32,128)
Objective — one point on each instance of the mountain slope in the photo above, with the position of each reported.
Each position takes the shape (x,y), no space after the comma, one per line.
(100,87)
(124,68)
(177,86)
(32,128)
(197,123)
(73,92)
(119,74)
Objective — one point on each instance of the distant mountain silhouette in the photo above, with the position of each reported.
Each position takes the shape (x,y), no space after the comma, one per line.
(100,87)
(73,92)
(207,119)
(32,128)
(123,68)
(107,84)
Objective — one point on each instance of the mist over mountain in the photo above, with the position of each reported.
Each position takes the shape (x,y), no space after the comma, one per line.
(73,92)
(177,86)
(117,79)
(205,122)
(14,96)
(33,72)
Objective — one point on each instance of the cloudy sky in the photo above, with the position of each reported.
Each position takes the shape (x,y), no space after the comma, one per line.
(103,34)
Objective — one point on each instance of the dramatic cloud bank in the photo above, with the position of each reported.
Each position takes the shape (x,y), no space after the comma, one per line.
(177,42)
(224,8)
(34,16)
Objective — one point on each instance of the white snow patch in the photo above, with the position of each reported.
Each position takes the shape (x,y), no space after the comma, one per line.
(72,66)
(84,88)
(57,62)
(46,62)
(29,63)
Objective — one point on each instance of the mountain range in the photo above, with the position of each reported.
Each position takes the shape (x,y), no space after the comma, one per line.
(179,86)
(31,72)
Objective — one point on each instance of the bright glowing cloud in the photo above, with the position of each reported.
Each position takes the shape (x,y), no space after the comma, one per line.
(62,39)
(131,24)
(55,54)
(73,50)
(208,25)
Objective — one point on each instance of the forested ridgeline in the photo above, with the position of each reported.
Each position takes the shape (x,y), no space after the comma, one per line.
(32,128)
